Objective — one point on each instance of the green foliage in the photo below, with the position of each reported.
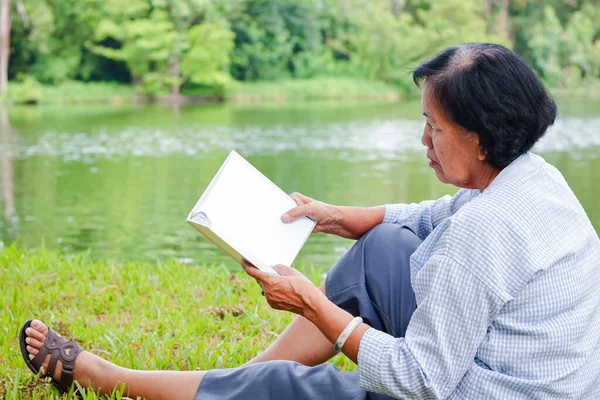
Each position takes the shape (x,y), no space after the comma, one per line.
(545,44)
(163,45)
(274,39)
(568,55)
(208,47)
(146,47)
(27,91)
(582,42)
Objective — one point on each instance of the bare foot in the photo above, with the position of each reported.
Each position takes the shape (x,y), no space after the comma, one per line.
(36,335)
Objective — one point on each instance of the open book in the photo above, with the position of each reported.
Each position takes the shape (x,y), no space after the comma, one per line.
(241,211)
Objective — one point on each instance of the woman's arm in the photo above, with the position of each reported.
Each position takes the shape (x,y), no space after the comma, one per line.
(441,342)
(353,222)
(423,217)
(292,291)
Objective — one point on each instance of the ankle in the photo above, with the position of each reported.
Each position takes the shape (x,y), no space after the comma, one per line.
(91,369)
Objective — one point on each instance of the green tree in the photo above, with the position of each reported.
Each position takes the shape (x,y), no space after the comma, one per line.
(565,56)
(582,43)
(390,40)
(275,39)
(546,46)
(165,44)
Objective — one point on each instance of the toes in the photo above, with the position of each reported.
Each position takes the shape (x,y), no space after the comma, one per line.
(35,334)
(40,327)
(32,351)
(32,342)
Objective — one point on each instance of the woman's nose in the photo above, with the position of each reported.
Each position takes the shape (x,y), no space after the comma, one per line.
(426,140)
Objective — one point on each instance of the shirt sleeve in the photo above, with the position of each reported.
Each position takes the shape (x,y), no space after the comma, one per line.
(442,338)
(422,218)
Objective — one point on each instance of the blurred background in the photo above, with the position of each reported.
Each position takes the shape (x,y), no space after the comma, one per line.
(116,114)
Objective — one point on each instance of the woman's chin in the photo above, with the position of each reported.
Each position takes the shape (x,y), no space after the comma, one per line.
(440,174)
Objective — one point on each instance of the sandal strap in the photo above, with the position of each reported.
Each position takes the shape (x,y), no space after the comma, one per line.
(68,362)
(39,358)
(60,349)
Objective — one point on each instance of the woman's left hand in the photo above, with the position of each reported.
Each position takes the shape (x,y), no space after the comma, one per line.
(288,291)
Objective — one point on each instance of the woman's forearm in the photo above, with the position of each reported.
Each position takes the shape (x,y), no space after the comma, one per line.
(331,321)
(356,221)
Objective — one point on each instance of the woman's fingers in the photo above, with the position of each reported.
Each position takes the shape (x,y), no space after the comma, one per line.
(300,199)
(300,211)
(285,271)
(255,272)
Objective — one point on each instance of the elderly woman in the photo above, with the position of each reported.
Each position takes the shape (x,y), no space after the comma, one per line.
(491,293)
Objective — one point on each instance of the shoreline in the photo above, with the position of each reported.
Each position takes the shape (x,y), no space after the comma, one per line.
(286,91)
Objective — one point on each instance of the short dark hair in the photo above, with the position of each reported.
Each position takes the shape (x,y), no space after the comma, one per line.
(490,90)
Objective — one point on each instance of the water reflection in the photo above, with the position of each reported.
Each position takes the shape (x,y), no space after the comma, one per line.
(373,139)
(120,181)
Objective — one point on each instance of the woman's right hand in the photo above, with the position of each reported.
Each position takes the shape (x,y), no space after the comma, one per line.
(329,218)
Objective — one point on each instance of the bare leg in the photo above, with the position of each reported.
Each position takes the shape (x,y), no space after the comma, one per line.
(97,373)
(301,341)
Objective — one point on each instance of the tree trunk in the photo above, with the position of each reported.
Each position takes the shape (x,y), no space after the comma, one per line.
(4,45)
(397,6)
(176,85)
(502,20)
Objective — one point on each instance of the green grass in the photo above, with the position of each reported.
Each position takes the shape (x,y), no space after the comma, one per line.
(312,89)
(138,315)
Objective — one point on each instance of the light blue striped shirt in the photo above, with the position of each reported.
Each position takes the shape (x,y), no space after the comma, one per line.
(507,283)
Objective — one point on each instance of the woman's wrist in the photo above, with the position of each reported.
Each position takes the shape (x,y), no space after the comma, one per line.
(339,218)
(315,302)
(331,321)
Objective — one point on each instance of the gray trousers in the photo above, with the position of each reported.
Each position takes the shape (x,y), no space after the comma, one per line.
(371,280)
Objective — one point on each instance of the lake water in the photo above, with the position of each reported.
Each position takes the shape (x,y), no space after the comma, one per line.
(120,180)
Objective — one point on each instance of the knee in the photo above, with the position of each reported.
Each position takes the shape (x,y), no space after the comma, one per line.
(383,248)
(385,238)
(388,247)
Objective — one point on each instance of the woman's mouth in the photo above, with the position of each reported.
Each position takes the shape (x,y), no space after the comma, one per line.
(432,163)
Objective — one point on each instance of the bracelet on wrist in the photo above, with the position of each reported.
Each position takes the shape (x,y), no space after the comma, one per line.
(341,341)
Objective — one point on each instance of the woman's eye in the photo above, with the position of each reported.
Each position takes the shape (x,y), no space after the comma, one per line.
(430,126)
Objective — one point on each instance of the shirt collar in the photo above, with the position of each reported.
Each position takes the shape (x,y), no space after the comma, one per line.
(524,164)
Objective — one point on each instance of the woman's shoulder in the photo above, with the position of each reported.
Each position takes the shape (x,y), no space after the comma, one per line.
(506,235)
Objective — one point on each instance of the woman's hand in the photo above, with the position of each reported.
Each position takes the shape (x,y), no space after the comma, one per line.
(347,222)
(292,291)
(288,291)
(328,218)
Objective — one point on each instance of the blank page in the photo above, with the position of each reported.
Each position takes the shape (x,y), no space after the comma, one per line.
(245,210)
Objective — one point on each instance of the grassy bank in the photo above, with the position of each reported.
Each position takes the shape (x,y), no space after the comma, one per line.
(312,89)
(72,92)
(290,90)
(148,316)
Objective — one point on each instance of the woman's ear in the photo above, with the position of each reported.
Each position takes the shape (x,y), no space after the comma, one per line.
(482,153)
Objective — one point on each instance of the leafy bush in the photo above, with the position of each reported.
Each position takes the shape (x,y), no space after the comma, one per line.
(27,91)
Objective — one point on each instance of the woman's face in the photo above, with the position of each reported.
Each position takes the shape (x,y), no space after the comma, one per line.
(454,154)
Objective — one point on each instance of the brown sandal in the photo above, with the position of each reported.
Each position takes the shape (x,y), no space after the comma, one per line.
(60,349)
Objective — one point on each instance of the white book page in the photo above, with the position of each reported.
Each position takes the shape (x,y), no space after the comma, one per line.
(245,210)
